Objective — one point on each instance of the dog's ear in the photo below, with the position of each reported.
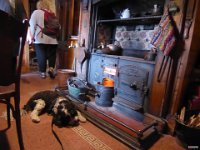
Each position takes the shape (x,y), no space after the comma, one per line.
(73,112)
(35,101)
(57,121)
(60,99)
(61,120)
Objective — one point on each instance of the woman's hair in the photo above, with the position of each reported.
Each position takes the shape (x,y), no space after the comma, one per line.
(41,4)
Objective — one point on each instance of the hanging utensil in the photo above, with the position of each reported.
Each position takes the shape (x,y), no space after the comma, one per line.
(81,55)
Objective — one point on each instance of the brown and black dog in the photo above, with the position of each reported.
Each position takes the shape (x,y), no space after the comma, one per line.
(62,109)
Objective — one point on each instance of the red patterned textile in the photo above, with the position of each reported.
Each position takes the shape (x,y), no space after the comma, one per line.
(164,38)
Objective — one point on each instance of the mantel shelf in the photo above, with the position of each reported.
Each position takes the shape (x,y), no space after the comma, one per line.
(145,19)
(127,58)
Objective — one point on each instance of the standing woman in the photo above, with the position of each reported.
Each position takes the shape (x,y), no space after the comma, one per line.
(45,46)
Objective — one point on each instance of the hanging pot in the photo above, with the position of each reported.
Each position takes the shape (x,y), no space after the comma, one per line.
(114,49)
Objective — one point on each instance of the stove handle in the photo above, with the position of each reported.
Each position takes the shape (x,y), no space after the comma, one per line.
(134,86)
(142,87)
(145,90)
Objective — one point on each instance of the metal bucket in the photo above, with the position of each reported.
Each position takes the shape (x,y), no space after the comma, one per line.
(104,95)
(76,87)
(187,135)
(63,75)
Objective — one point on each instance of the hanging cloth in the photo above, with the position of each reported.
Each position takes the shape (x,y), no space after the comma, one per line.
(164,40)
(164,37)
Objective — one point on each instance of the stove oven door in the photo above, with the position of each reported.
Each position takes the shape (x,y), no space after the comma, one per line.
(95,69)
(134,82)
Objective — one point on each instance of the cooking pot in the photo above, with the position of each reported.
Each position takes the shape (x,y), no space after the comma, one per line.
(114,49)
(108,82)
(104,95)
(105,92)
(63,75)
(150,56)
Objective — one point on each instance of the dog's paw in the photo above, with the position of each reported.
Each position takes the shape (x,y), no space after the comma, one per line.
(36,120)
(81,117)
(23,112)
(34,117)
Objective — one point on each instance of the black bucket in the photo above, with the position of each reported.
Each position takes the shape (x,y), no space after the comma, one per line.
(104,95)
(187,135)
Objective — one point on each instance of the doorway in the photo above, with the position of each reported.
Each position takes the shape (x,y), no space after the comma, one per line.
(68,13)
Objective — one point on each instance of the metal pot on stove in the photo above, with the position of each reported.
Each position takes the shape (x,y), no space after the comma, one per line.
(108,82)
(114,49)
(105,92)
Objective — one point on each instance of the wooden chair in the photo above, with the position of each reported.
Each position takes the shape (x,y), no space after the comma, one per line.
(12,41)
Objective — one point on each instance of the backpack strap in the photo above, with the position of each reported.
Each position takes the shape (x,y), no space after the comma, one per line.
(41,29)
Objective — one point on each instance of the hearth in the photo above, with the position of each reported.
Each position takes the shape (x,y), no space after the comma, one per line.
(137,130)
(122,86)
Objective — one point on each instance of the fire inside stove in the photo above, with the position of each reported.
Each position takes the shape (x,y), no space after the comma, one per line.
(110,71)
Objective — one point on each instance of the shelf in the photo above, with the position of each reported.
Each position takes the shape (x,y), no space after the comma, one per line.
(142,20)
(127,58)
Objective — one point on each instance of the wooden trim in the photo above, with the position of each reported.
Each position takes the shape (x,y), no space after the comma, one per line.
(186,63)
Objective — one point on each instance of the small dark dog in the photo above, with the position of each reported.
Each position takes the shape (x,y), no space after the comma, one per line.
(62,109)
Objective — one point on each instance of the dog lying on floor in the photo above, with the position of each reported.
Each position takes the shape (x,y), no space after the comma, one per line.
(62,109)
